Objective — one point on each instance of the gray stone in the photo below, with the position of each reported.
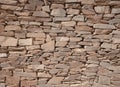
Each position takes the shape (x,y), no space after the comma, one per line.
(79,18)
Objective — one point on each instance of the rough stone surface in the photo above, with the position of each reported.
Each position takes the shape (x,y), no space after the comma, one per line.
(59,43)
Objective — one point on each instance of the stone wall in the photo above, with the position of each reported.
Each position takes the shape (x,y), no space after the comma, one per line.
(60,43)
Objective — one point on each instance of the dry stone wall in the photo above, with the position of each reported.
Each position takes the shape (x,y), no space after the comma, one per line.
(59,43)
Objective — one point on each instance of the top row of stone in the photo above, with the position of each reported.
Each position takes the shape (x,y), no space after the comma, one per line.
(13,2)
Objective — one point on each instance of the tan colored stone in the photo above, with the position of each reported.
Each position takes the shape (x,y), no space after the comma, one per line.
(115,10)
(41,35)
(103,31)
(36,67)
(28,83)
(40,14)
(116,40)
(44,75)
(61,43)
(58,12)
(83,28)
(104,26)
(3,55)
(69,23)
(73,11)
(23,42)
(56,80)
(49,46)
(102,9)
(8,1)
(46,8)
(9,41)
(72,39)
(62,38)
(79,18)
(12,80)
(12,27)
(33,47)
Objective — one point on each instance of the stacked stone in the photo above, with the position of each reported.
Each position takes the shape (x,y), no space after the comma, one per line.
(66,43)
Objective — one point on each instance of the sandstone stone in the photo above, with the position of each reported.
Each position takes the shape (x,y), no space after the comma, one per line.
(116,40)
(9,41)
(35,23)
(61,66)
(73,11)
(49,46)
(28,83)
(3,55)
(24,74)
(79,18)
(70,23)
(58,12)
(44,75)
(83,28)
(40,14)
(102,9)
(104,80)
(87,1)
(99,85)
(104,26)
(23,42)
(33,47)
(72,39)
(114,21)
(72,1)
(8,1)
(29,7)
(109,46)
(55,6)
(103,31)
(2,84)
(12,80)
(41,35)
(36,67)
(46,8)
(61,43)
(9,7)
(62,39)
(56,80)
(115,10)
(57,19)
(12,27)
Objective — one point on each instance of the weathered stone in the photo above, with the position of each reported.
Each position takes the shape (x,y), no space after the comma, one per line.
(2,84)
(61,43)
(12,80)
(8,1)
(41,35)
(104,80)
(72,39)
(57,19)
(23,42)
(104,26)
(29,7)
(61,66)
(36,67)
(58,12)
(69,23)
(115,10)
(116,40)
(102,31)
(46,8)
(109,46)
(49,46)
(3,55)
(56,80)
(44,75)
(12,27)
(73,11)
(62,39)
(83,28)
(24,74)
(102,9)
(28,83)
(72,1)
(9,41)
(40,14)
(79,18)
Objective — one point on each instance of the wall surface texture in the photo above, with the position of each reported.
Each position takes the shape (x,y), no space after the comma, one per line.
(59,43)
